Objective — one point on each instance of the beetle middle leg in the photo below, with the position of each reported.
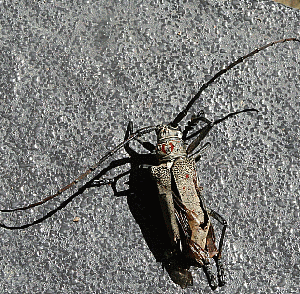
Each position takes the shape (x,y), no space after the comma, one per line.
(113,183)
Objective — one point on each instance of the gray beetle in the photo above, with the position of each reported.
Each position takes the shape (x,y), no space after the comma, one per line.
(176,223)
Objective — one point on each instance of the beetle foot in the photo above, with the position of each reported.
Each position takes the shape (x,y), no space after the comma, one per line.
(211,277)
(221,272)
(98,183)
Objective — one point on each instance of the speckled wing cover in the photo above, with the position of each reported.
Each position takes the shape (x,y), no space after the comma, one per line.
(178,189)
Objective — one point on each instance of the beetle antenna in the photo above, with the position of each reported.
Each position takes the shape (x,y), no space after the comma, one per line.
(136,134)
(61,206)
(184,112)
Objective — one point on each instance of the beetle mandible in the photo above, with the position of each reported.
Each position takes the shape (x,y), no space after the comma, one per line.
(190,237)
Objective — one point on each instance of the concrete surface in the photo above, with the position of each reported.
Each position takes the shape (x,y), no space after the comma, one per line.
(73,73)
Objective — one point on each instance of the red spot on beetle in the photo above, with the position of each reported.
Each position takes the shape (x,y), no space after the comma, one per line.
(163,148)
(172,146)
(187,176)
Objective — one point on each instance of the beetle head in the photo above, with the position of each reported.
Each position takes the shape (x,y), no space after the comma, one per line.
(169,143)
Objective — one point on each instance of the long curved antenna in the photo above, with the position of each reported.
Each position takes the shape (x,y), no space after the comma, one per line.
(138,133)
(49,214)
(184,112)
(61,206)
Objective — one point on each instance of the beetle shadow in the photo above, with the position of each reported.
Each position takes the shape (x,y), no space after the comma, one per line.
(144,205)
(142,199)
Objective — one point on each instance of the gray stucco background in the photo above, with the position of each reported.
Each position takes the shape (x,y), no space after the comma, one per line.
(73,73)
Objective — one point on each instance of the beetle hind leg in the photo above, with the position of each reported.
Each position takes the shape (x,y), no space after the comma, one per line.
(211,277)
(221,271)
(218,258)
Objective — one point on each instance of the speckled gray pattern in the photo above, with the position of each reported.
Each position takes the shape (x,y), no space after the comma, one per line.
(73,73)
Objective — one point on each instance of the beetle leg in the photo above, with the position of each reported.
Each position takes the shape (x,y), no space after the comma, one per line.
(113,183)
(98,183)
(202,119)
(201,135)
(211,278)
(129,131)
(195,119)
(217,217)
(147,145)
(218,258)
(198,153)
(220,270)
(223,222)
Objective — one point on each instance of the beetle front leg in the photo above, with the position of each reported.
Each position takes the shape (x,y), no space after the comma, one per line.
(147,145)
(195,119)
(204,131)
(201,135)
(97,182)
(127,148)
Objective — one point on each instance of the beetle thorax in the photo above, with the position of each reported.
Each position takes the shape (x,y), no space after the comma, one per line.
(169,143)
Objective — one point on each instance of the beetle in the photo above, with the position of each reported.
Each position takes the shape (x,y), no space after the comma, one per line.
(180,233)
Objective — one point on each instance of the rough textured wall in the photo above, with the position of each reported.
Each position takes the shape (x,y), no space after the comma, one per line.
(73,73)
